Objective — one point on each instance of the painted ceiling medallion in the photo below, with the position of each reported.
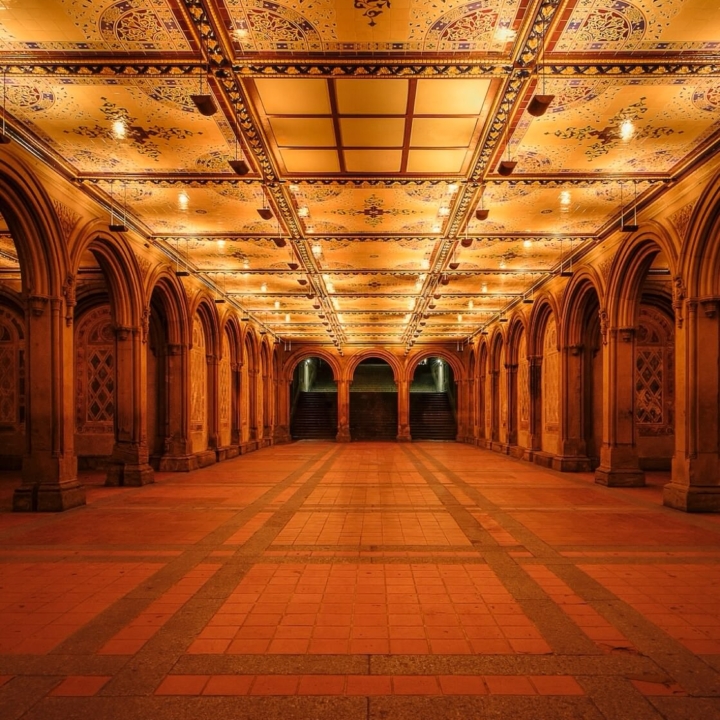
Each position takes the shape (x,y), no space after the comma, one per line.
(372,9)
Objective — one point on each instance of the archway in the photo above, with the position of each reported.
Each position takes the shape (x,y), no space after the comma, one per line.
(433,401)
(373,401)
(313,401)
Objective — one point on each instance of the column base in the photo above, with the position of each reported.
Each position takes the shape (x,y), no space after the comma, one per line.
(49,498)
(619,478)
(572,463)
(248,447)
(281,435)
(205,458)
(343,435)
(129,475)
(543,458)
(692,498)
(178,463)
(517,452)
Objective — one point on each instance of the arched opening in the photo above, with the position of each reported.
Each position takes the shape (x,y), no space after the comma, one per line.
(225,394)
(550,388)
(249,393)
(313,401)
(655,369)
(433,401)
(498,404)
(373,401)
(158,420)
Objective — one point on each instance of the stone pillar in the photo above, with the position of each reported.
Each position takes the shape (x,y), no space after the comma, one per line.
(343,400)
(213,401)
(266,405)
(494,376)
(403,400)
(695,484)
(462,410)
(178,455)
(49,466)
(281,432)
(254,429)
(472,420)
(235,417)
(129,461)
(511,394)
(572,446)
(619,464)
(534,406)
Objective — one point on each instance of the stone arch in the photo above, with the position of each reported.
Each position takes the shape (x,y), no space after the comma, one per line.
(249,381)
(545,306)
(629,270)
(120,268)
(168,290)
(35,229)
(459,370)
(496,373)
(297,356)
(583,283)
(517,375)
(482,390)
(699,261)
(380,353)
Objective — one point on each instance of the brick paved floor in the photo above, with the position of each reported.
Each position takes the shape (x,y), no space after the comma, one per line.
(375,581)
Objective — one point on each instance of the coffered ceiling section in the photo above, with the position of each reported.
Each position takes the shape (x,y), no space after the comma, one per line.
(372,132)
(377,126)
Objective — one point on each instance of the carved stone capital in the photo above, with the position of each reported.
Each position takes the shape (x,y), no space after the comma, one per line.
(122,332)
(36,304)
(575,350)
(710,306)
(175,349)
(626,334)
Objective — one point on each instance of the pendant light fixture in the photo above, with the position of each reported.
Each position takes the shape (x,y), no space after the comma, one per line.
(239,165)
(4,137)
(204,101)
(266,213)
(481,212)
(540,101)
(507,166)
(628,227)
(178,272)
(117,224)
(220,298)
(566,271)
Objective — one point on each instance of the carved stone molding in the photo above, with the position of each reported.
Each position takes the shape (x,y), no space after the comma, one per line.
(678,298)
(626,334)
(70,301)
(604,318)
(36,304)
(710,306)
(175,349)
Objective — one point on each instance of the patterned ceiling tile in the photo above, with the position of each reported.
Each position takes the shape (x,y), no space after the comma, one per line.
(445,26)
(410,254)
(625,125)
(606,26)
(90,27)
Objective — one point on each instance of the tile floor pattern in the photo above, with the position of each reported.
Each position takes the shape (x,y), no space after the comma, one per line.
(371,581)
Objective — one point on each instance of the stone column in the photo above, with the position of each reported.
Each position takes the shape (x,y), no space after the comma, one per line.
(235,418)
(178,455)
(403,400)
(462,410)
(343,400)
(494,376)
(619,463)
(49,466)
(213,401)
(281,432)
(534,406)
(129,461)
(472,420)
(512,398)
(695,484)
(572,446)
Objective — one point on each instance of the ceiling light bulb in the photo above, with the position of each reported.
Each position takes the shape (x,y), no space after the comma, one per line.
(484,287)
(263,288)
(471,304)
(303,212)
(406,319)
(444,211)
(316,251)
(119,129)
(183,200)
(460,318)
(436,228)
(277,304)
(221,243)
(527,243)
(505,34)
(287,317)
(627,129)
(565,197)
(502,265)
(246,264)
(425,264)
(452,187)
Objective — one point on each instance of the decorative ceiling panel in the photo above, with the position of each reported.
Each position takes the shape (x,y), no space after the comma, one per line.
(401,254)
(602,26)
(79,26)
(336,26)
(638,125)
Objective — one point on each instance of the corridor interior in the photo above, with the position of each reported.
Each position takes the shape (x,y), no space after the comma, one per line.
(368,580)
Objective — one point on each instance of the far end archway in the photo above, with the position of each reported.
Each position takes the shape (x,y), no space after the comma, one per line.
(373,401)
(313,401)
(433,401)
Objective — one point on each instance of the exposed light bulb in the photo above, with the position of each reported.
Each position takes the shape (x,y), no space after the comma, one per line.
(565,198)
(119,129)
(263,287)
(183,200)
(316,251)
(484,287)
(303,212)
(471,304)
(527,243)
(221,243)
(287,317)
(460,318)
(277,304)
(246,264)
(627,129)
(444,211)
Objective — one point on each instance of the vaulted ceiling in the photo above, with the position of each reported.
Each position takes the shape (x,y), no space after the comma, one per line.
(372,132)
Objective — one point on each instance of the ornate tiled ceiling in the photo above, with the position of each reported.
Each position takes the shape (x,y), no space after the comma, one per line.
(372,131)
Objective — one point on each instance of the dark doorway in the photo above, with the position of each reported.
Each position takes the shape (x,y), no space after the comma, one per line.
(373,401)
(433,401)
(313,409)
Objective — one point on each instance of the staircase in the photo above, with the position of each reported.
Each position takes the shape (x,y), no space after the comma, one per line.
(431,417)
(315,416)
(373,415)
